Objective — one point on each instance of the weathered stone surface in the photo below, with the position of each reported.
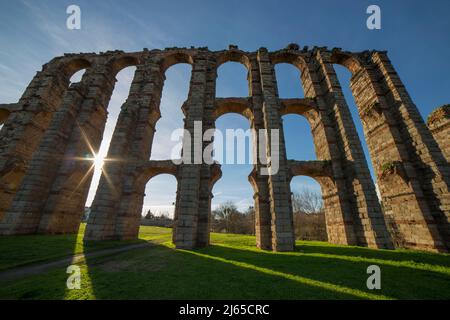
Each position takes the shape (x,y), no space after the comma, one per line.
(439,124)
(44,181)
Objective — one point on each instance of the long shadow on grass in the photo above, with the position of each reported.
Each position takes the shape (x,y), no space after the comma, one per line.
(161,272)
(18,251)
(23,250)
(27,251)
(240,272)
(361,252)
(339,267)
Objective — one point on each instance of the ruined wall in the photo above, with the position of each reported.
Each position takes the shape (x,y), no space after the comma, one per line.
(44,180)
(439,124)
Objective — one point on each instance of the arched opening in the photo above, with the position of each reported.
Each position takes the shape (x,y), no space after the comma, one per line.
(232,80)
(308,209)
(159,201)
(175,93)
(74,70)
(289,81)
(298,138)
(344,77)
(77,76)
(119,96)
(233,203)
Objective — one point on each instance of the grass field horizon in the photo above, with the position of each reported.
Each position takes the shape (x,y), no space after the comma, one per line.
(231,268)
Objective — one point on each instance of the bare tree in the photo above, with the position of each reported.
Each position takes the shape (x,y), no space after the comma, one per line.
(309,217)
(227,218)
(307,201)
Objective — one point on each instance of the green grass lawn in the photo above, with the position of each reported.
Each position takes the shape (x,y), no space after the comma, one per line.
(17,251)
(231,268)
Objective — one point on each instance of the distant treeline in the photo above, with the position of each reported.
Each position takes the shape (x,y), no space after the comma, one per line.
(309,218)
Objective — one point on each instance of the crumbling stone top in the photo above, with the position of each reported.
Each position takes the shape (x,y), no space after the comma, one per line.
(441,114)
(193,51)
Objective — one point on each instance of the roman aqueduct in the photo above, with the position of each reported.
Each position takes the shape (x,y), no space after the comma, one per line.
(46,135)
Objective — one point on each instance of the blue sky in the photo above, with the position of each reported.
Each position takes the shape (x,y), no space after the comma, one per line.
(415,33)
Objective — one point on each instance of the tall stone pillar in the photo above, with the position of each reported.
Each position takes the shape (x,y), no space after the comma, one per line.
(23,129)
(439,124)
(209,174)
(427,158)
(259,182)
(189,174)
(58,151)
(116,209)
(404,202)
(263,219)
(368,221)
(279,189)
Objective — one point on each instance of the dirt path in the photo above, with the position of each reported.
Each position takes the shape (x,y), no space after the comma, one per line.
(38,268)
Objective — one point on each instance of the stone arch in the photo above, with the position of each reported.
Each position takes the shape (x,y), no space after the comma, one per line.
(129,209)
(347,60)
(237,106)
(289,82)
(235,55)
(295,59)
(308,214)
(142,109)
(240,106)
(307,109)
(154,168)
(166,60)
(302,107)
(322,173)
(166,118)
(171,58)
(70,66)
(118,63)
(399,138)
